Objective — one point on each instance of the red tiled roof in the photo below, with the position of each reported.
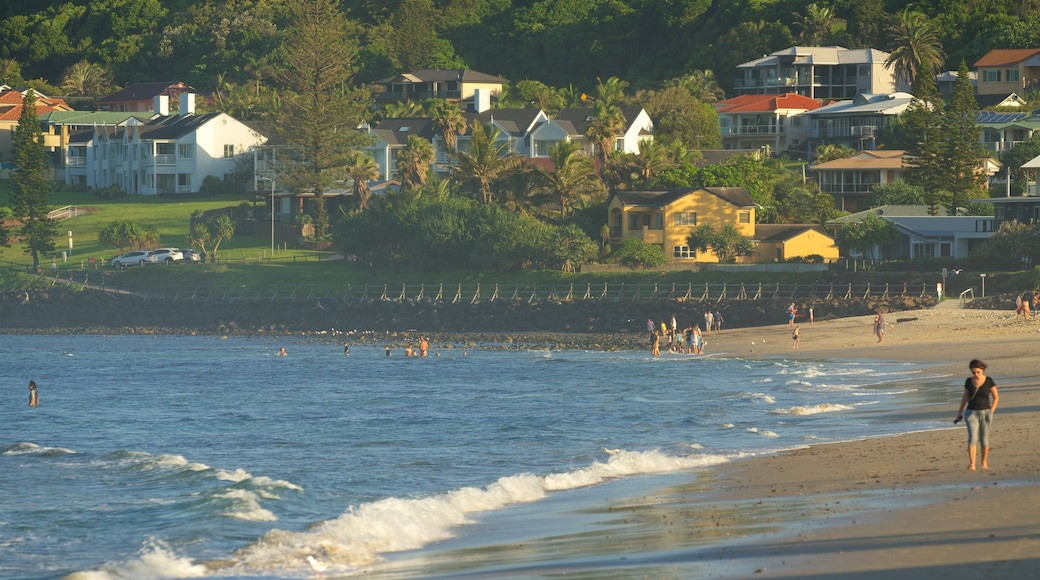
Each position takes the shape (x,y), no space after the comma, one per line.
(1004,56)
(762,103)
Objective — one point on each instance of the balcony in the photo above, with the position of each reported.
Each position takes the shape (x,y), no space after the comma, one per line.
(648,235)
(768,130)
(75,161)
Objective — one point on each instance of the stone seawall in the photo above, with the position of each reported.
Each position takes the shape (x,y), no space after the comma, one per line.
(63,310)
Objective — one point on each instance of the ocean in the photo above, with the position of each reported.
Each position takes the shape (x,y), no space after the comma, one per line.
(203,456)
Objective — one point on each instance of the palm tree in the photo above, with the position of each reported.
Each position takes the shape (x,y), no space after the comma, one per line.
(572,179)
(414,162)
(487,160)
(652,159)
(608,121)
(85,79)
(452,123)
(917,47)
(701,84)
(816,23)
(362,168)
(830,152)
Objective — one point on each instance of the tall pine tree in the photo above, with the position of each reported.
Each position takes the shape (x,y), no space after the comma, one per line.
(31,183)
(962,151)
(320,108)
(923,121)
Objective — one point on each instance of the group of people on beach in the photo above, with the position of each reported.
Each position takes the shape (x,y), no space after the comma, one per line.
(687,340)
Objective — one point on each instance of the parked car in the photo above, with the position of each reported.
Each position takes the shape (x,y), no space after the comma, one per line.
(134,258)
(168,255)
(190,255)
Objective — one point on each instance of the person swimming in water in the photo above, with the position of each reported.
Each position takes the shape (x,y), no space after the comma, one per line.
(34,398)
(281,352)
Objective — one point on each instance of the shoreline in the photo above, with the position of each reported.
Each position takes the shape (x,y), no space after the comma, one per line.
(893,506)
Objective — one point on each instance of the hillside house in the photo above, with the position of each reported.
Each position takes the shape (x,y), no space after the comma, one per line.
(455,85)
(667,218)
(167,154)
(775,123)
(818,72)
(140,97)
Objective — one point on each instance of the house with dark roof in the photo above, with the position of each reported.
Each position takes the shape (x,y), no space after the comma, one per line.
(140,97)
(166,154)
(781,242)
(455,85)
(570,124)
(775,122)
(391,136)
(666,218)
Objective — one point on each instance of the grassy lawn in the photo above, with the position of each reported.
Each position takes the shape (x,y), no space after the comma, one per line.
(170,217)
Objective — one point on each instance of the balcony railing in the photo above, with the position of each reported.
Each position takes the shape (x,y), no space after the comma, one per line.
(75,161)
(751,130)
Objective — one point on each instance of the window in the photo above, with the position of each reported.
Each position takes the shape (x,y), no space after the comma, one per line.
(658,221)
(684,218)
(185,150)
(683,252)
(633,221)
(990,76)
(229,151)
(945,249)
(744,217)
(184,180)
(1012,75)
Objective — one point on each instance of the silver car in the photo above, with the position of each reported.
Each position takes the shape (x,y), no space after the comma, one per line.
(134,258)
(168,255)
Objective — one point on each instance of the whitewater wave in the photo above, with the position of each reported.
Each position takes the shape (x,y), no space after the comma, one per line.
(812,409)
(26,448)
(364,532)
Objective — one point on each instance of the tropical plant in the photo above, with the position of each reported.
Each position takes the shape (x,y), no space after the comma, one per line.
(413,162)
(699,84)
(635,253)
(916,47)
(866,235)
(361,168)
(608,120)
(128,234)
(725,242)
(832,151)
(86,79)
(572,179)
(487,160)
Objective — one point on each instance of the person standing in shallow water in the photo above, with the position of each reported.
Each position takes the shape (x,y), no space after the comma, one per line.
(980,401)
(34,398)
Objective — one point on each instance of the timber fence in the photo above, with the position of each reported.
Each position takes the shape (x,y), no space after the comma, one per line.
(472,293)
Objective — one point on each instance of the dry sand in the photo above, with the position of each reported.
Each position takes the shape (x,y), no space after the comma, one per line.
(894,507)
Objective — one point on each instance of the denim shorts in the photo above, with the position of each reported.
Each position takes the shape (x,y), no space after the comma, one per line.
(978,423)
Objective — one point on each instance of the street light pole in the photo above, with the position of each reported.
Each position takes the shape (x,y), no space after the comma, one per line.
(272,216)
(983,276)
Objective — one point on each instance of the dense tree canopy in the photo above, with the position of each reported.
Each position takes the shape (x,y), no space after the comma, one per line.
(559,43)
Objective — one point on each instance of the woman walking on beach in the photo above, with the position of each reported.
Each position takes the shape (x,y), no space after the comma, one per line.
(980,400)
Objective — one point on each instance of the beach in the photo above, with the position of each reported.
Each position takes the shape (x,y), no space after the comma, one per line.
(929,517)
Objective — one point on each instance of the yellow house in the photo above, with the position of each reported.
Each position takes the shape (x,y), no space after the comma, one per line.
(668,217)
(780,242)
